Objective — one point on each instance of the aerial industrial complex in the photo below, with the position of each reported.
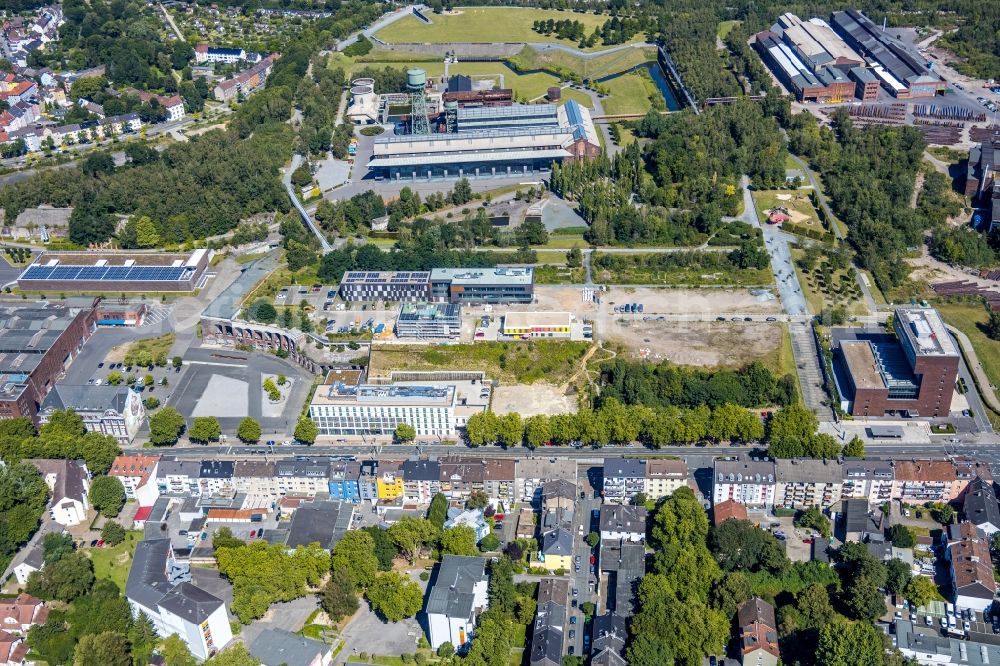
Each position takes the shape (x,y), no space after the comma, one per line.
(845,58)
(115,272)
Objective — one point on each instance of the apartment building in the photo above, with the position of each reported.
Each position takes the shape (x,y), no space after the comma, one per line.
(758,633)
(970,567)
(498,479)
(664,476)
(216,477)
(421,480)
(138,476)
(558,495)
(626,523)
(803,483)
(550,627)
(302,477)
(69,488)
(344,481)
(256,477)
(368,481)
(389,480)
(871,480)
(624,478)
(456,600)
(178,477)
(981,508)
(460,476)
(531,473)
(921,481)
(752,483)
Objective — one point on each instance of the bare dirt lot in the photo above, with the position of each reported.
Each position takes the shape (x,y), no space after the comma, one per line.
(656,301)
(709,344)
(528,400)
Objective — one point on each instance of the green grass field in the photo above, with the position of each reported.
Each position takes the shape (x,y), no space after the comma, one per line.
(841,291)
(629,93)
(484,24)
(800,209)
(725,27)
(966,317)
(114,563)
(591,68)
(680,276)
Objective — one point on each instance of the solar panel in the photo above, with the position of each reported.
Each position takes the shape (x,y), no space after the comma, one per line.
(372,276)
(92,273)
(116,273)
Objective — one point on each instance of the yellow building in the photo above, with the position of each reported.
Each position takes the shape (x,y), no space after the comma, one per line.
(537,324)
(557,550)
(389,481)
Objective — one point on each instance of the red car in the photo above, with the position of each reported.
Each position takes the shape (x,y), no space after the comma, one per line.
(593,559)
(100,543)
(807,541)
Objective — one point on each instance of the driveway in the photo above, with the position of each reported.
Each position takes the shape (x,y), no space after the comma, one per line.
(368,633)
(290,616)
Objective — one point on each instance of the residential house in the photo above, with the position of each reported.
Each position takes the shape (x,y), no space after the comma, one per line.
(245,83)
(750,482)
(138,476)
(275,647)
(173,104)
(178,477)
(159,586)
(623,522)
(609,634)
(531,473)
(69,484)
(205,53)
(421,480)
(303,477)
(13,649)
(860,522)
(389,480)
(460,476)
(556,549)
(871,480)
(257,477)
(368,481)
(920,481)
(456,599)
(216,477)
(981,508)
(803,482)
(20,614)
(624,478)
(344,481)
(498,480)
(758,633)
(664,476)
(472,518)
(727,509)
(28,560)
(970,567)
(110,410)
(558,494)
(548,633)
(623,562)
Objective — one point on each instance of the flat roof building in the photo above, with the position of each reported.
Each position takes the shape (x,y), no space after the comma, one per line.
(406,286)
(429,320)
(115,272)
(913,372)
(537,325)
(482,285)
(433,408)
(808,82)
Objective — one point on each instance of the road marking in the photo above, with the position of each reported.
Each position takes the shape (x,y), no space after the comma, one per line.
(224,365)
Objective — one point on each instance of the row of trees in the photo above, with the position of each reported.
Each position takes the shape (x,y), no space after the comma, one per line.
(63,437)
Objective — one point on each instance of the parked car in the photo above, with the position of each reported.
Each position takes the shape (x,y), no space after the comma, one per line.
(572,619)
(572,633)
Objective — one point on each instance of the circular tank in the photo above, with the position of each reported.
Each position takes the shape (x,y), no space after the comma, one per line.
(416,79)
(362,90)
(554,93)
(363,82)
(451,105)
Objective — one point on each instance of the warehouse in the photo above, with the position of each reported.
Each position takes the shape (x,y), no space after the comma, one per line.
(429,320)
(433,408)
(115,272)
(815,42)
(482,285)
(903,73)
(825,84)
(490,141)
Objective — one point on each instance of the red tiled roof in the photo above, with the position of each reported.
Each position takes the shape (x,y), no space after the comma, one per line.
(728,509)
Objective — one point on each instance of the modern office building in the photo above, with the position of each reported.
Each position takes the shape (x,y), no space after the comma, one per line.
(114,272)
(911,373)
(429,320)
(433,408)
(159,586)
(456,599)
(490,141)
(902,71)
(110,410)
(482,285)
(396,286)
(37,345)
(537,325)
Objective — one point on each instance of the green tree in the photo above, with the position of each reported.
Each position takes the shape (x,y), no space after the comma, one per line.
(437,513)
(65,579)
(921,590)
(459,540)
(446,650)
(394,596)
(385,549)
(237,655)
(151,403)
(814,518)
(942,513)
(863,598)
(223,538)
(501,590)
(112,533)
(813,604)
(108,648)
(261,310)
(146,233)
(405,433)
(178,362)
(338,597)
(537,431)
(992,326)
(147,380)
(482,428)
(510,430)
(731,592)
(574,257)
(902,536)
(897,576)
(55,545)
(175,652)
(411,534)
(205,429)
(355,555)
(843,643)
(477,500)
(165,427)
(855,448)
(593,538)
(114,378)
(249,430)
(741,545)
(107,494)
(306,431)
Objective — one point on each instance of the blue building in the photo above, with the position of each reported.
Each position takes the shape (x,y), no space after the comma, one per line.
(344,481)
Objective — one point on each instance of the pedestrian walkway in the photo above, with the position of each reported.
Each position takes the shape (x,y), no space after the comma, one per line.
(809,370)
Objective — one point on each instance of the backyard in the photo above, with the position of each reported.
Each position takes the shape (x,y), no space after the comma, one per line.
(114,563)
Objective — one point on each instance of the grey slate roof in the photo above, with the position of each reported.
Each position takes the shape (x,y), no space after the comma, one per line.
(170,467)
(559,488)
(307,469)
(157,580)
(809,471)
(618,518)
(190,602)
(320,522)
(217,469)
(745,470)
(624,468)
(609,634)
(452,593)
(557,542)
(71,477)
(86,398)
(277,646)
(981,506)
(421,470)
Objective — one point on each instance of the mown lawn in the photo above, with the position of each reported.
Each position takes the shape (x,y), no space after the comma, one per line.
(967,317)
(486,24)
(628,93)
(114,563)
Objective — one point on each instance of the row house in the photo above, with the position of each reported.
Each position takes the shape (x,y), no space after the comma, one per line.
(344,481)
(14,89)
(921,481)
(498,480)
(215,477)
(460,476)
(624,478)
(18,116)
(37,137)
(752,483)
(970,567)
(664,476)
(138,476)
(421,480)
(389,480)
(178,477)
(367,481)
(245,83)
(623,523)
(803,483)
(870,480)
(255,477)
(302,477)
(531,473)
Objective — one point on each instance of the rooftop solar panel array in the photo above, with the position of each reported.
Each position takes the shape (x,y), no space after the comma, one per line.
(109,273)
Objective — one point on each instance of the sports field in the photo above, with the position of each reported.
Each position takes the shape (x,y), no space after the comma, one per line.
(484,24)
